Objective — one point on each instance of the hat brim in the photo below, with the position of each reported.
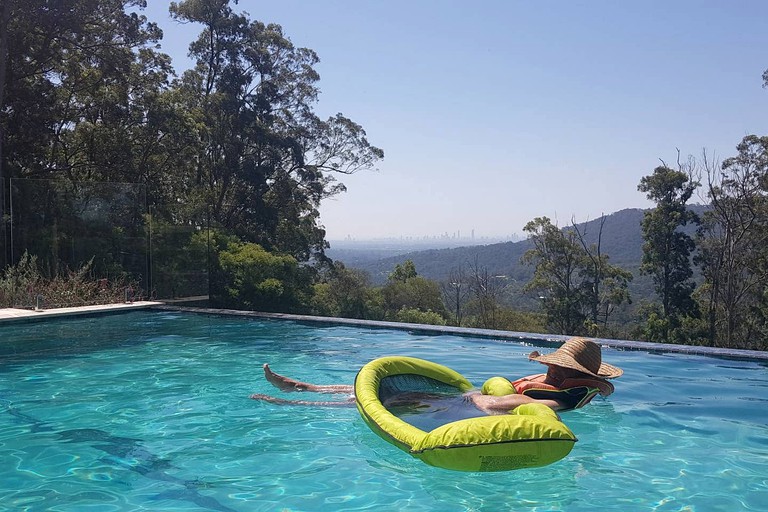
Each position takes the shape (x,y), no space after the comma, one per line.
(606,371)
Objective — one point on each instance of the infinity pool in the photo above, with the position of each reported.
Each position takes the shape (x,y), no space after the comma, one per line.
(150,411)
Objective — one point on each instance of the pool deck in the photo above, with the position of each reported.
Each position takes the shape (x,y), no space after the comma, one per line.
(12,314)
(21,315)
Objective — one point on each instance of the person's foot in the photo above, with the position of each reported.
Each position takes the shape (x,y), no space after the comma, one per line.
(282,383)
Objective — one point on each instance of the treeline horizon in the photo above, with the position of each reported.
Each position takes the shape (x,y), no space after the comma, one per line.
(232,163)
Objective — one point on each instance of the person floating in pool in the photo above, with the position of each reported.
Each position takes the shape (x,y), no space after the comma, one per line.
(575,374)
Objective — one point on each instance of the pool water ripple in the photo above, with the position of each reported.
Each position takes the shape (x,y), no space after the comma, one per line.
(150,411)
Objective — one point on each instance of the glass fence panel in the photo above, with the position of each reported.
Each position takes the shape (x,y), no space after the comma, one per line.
(76,243)
(81,243)
(180,256)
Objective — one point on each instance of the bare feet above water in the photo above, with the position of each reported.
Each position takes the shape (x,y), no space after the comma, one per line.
(287,384)
(282,383)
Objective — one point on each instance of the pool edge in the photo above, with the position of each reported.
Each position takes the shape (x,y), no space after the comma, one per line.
(551,339)
(11,315)
(19,315)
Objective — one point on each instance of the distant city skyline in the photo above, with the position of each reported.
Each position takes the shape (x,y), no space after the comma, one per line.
(456,235)
(494,113)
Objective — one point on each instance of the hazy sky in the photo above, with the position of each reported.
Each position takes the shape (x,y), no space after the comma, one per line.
(492,113)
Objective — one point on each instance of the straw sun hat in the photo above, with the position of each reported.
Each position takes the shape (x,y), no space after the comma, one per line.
(582,355)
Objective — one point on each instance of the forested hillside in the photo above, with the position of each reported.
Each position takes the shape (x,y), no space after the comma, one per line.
(622,241)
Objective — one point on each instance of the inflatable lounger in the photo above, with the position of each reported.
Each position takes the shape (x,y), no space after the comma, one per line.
(530,436)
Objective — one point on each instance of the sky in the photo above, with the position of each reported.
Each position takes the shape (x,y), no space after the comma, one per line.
(495,112)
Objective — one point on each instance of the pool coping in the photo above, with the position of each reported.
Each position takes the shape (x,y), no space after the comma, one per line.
(26,315)
(546,339)
(8,315)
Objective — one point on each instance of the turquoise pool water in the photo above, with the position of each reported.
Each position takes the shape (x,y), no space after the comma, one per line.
(150,411)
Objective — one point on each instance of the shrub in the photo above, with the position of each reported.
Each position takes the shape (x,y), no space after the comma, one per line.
(415,316)
(21,284)
(255,279)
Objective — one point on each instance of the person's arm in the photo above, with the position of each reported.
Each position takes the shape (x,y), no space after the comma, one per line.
(490,404)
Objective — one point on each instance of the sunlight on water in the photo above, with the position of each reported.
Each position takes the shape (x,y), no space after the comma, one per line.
(151,411)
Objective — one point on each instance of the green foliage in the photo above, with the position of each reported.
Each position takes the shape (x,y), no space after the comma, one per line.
(20,282)
(558,258)
(255,279)
(180,260)
(732,242)
(23,283)
(520,321)
(605,285)
(402,273)
(323,301)
(345,293)
(263,159)
(78,75)
(415,293)
(667,249)
(757,339)
(234,143)
(654,326)
(577,287)
(406,297)
(417,316)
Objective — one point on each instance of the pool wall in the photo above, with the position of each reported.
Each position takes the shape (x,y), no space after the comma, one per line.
(21,315)
(546,339)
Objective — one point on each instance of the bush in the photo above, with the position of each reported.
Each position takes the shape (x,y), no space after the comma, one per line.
(255,279)
(416,293)
(415,316)
(346,293)
(21,284)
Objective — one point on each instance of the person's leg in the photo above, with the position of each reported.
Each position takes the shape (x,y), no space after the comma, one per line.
(282,401)
(417,399)
(287,384)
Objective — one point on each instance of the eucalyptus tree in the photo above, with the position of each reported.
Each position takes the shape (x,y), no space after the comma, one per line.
(264,159)
(456,290)
(77,83)
(733,242)
(559,260)
(605,285)
(68,66)
(402,273)
(667,249)
(578,287)
(407,290)
(485,290)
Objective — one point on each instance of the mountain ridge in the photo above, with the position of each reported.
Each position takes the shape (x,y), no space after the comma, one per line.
(621,240)
(623,246)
